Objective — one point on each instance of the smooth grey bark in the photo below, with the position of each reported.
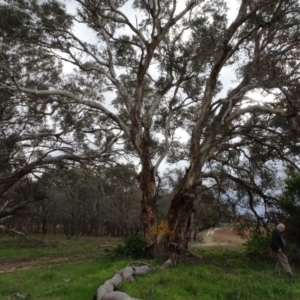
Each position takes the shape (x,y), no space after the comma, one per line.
(107,290)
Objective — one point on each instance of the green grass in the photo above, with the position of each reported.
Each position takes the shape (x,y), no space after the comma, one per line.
(50,260)
(84,279)
(39,245)
(224,274)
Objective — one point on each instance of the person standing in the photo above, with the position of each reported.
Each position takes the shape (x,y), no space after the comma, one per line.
(278,248)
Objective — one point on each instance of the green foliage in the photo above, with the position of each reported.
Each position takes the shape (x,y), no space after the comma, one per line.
(134,247)
(290,206)
(209,210)
(293,253)
(258,246)
(14,21)
(292,187)
(50,246)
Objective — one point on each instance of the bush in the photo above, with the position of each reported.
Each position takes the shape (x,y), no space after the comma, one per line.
(290,207)
(258,246)
(293,253)
(134,247)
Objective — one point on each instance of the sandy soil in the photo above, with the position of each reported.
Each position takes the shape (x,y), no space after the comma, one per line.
(218,236)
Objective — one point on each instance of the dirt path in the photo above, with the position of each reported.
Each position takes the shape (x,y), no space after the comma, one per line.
(218,237)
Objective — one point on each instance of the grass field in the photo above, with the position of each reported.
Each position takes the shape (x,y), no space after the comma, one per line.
(56,268)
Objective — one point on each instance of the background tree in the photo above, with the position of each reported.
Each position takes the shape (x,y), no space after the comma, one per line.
(79,202)
(35,135)
(121,201)
(210,211)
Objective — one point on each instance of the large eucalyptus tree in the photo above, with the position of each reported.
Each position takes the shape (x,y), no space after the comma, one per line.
(163,61)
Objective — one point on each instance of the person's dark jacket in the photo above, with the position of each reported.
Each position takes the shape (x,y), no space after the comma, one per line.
(277,241)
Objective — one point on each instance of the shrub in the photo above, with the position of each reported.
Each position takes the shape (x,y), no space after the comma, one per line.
(134,247)
(258,246)
(293,253)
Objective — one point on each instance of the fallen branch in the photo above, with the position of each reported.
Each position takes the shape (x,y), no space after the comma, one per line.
(107,290)
(118,296)
(168,263)
(187,251)
(54,290)
(19,296)
(12,232)
(142,263)
(107,246)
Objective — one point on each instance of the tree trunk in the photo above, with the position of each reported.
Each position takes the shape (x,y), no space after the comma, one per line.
(179,220)
(44,225)
(149,210)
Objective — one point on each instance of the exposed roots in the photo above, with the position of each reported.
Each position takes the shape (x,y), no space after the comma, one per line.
(186,256)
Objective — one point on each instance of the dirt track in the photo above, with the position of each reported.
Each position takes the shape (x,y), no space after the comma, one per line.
(12,265)
(219,236)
